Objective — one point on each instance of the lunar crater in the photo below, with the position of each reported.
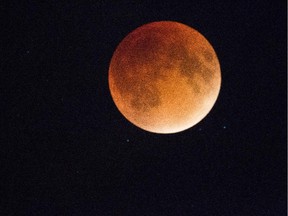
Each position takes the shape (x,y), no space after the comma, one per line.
(144,97)
(208,55)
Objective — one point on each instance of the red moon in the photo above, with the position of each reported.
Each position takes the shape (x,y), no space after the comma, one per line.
(164,77)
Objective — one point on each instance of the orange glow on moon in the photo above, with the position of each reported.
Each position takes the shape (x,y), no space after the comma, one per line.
(164,77)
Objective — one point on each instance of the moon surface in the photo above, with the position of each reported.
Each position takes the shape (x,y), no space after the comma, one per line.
(164,77)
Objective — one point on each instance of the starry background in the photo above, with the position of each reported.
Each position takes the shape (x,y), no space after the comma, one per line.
(66,150)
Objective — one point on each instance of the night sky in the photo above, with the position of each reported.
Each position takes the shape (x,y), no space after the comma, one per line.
(67,150)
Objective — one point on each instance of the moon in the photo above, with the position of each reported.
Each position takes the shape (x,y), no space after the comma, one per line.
(164,77)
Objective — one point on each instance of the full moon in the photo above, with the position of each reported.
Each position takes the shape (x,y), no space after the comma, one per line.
(164,77)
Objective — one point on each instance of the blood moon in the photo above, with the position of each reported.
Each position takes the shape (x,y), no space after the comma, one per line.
(164,77)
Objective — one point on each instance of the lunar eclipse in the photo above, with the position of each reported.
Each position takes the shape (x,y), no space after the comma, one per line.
(164,77)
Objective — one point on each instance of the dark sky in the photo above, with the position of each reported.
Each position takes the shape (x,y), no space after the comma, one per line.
(66,149)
